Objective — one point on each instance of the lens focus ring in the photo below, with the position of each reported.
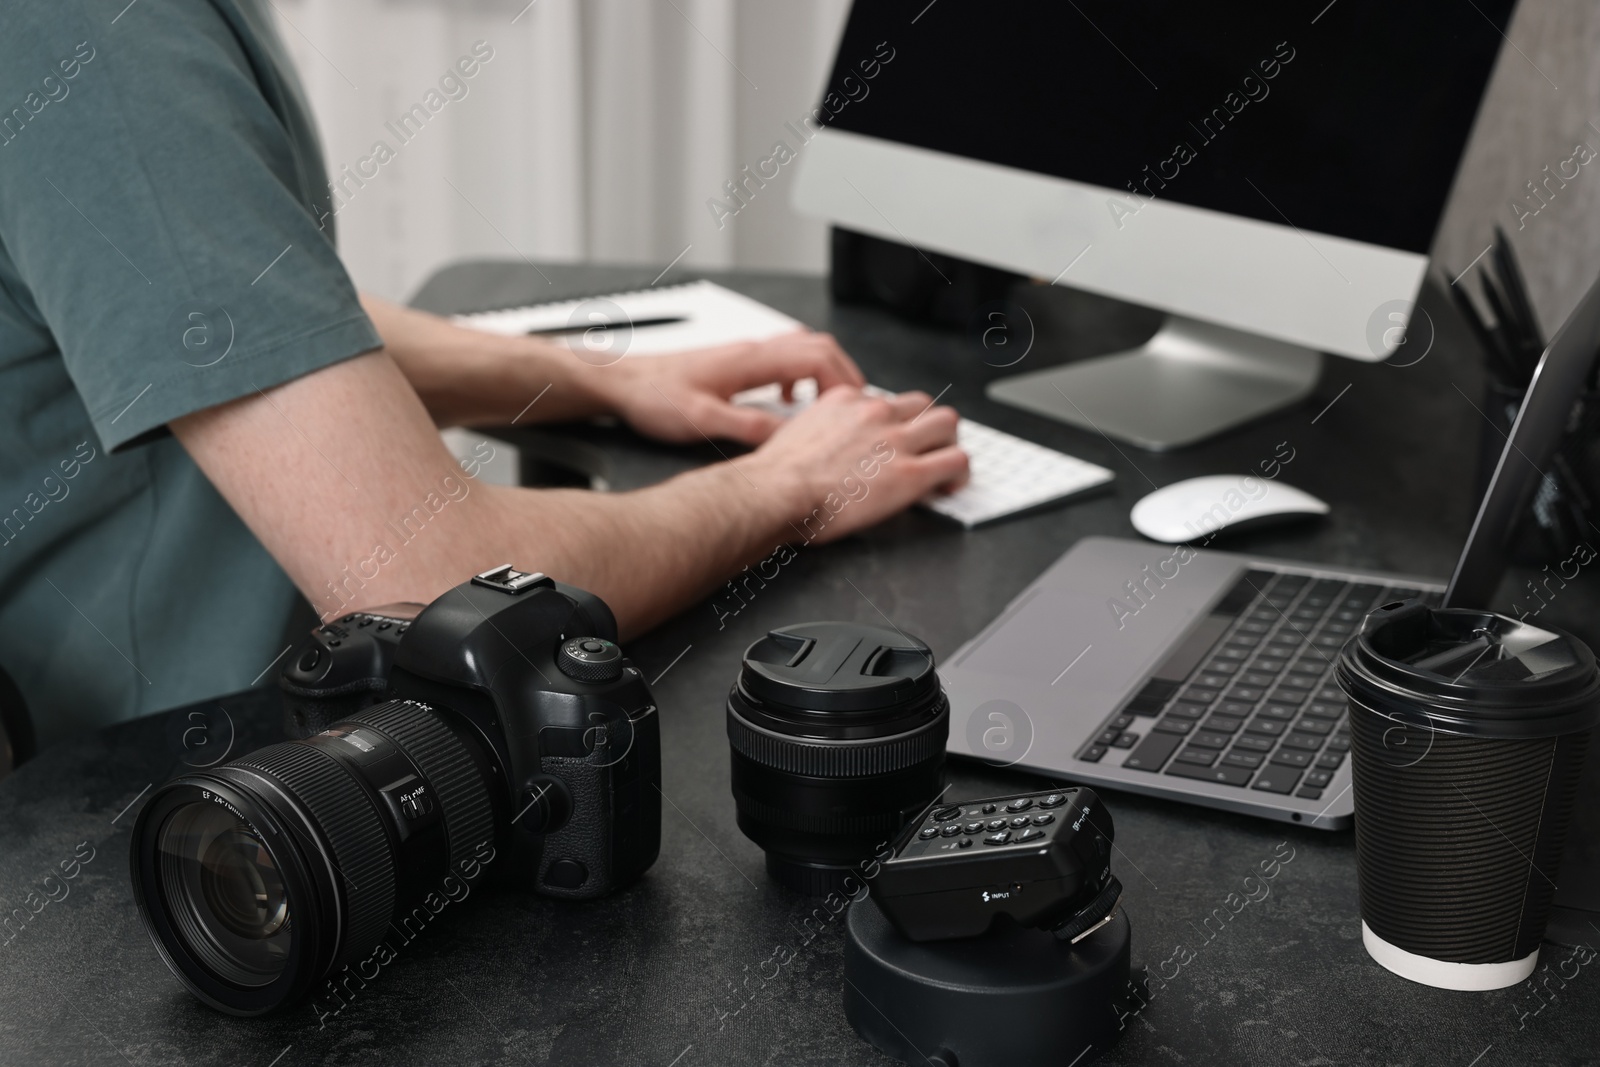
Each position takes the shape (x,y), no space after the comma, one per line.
(448,767)
(878,756)
(354,833)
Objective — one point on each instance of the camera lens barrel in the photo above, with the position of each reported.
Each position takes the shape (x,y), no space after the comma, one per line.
(262,878)
(837,735)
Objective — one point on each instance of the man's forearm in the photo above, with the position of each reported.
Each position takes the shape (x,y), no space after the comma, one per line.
(473,378)
(649,552)
(394,518)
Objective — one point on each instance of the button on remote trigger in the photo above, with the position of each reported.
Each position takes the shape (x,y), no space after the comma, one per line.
(1030,835)
(1020,804)
(998,839)
(965,842)
(930,831)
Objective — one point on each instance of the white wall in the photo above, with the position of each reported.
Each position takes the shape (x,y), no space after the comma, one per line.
(598,131)
(601,128)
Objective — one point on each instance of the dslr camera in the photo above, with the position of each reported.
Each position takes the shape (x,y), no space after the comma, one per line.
(499,727)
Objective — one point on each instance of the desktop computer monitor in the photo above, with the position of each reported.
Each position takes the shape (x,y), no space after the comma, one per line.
(1270,175)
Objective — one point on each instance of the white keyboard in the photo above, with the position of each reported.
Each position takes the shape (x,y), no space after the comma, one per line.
(1009,475)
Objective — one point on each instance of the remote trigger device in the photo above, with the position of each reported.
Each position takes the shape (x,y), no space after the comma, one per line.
(1041,859)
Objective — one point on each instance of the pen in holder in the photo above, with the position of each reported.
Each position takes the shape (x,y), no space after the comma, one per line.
(1562,508)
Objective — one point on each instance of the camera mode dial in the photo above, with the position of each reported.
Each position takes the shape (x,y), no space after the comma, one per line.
(590,659)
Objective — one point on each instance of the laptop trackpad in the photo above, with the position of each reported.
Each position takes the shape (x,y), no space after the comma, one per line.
(1081,641)
(1077,641)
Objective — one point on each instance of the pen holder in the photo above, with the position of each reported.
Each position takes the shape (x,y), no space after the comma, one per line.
(1015,997)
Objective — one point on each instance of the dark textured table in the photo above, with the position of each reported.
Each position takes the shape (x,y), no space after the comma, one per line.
(680,968)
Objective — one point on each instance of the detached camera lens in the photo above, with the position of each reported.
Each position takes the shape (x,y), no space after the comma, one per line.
(261,879)
(838,734)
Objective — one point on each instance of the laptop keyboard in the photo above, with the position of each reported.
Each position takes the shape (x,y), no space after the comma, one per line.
(1258,707)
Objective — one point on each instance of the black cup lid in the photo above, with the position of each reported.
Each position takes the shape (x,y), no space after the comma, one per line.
(838,666)
(1471,672)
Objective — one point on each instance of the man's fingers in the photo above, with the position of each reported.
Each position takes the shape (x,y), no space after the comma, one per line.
(910,404)
(737,422)
(934,428)
(839,368)
(815,356)
(944,468)
(791,357)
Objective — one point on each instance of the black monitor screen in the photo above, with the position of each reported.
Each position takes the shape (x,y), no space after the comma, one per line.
(1344,118)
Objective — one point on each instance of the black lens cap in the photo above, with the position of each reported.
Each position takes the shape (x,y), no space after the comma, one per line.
(838,666)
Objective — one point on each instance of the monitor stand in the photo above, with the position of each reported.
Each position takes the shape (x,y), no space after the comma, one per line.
(1190,381)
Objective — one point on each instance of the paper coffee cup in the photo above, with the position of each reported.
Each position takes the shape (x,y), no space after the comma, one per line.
(1468,733)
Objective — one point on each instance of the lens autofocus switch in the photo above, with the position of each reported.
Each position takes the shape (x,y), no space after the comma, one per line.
(590,659)
(837,734)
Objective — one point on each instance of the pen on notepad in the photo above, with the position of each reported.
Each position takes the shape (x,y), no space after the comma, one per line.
(634,324)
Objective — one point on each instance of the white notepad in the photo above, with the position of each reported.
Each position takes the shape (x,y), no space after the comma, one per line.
(711,314)
(1009,475)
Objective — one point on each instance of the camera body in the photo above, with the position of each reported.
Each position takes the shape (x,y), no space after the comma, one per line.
(530,667)
(341,668)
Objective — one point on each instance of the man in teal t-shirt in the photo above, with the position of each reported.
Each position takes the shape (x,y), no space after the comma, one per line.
(199,414)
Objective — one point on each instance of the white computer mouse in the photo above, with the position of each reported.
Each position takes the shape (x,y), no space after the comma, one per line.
(1194,510)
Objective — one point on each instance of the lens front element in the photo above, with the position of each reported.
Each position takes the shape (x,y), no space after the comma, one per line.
(227,895)
(243,887)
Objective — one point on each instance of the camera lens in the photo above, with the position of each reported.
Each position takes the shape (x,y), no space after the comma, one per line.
(227,891)
(261,879)
(837,734)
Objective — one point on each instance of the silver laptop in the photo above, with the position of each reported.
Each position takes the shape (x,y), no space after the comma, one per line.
(1208,676)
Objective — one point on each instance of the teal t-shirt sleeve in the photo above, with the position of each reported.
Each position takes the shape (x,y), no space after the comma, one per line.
(161,214)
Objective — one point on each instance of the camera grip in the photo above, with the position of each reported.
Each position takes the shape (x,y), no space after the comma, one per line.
(614,833)
(576,859)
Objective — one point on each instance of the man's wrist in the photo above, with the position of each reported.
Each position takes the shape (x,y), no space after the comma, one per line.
(581,389)
(783,495)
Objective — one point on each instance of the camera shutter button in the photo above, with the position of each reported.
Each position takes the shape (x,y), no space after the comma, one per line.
(590,659)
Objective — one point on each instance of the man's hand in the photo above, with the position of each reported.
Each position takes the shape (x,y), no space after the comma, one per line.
(851,460)
(473,378)
(685,397)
